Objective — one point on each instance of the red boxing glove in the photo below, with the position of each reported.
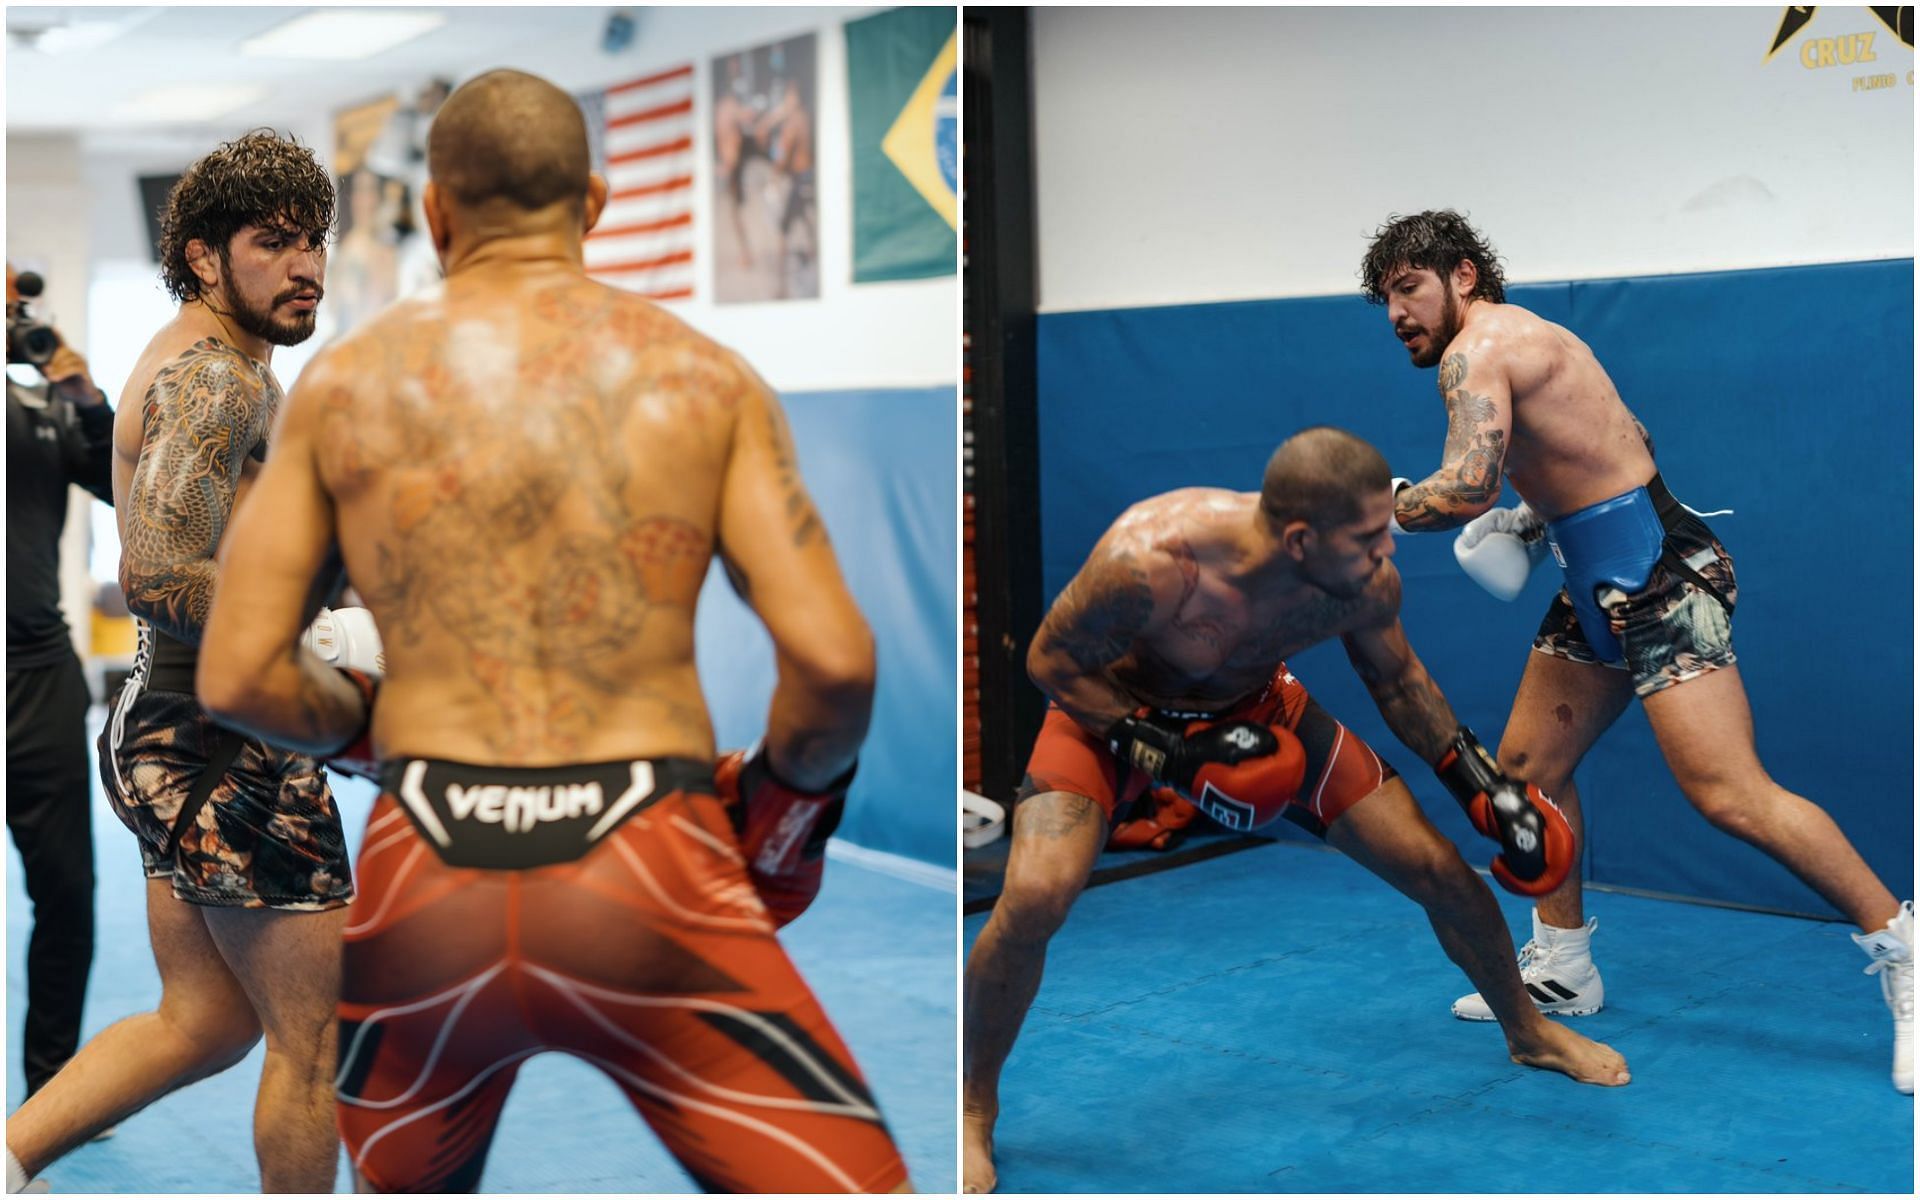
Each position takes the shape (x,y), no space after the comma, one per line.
(1172,812)
(1250,793)
(783,831)
(1536,843)
(357,756)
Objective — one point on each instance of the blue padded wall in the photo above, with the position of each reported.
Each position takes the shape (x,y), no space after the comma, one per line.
(1785,394)
(881,466)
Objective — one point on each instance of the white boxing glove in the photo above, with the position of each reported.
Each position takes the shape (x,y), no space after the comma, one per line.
(1499,548)
(346,638)
(1393,493)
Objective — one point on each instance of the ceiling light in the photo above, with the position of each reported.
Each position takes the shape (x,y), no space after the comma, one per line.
(342,33)
(75,34)
(188,102)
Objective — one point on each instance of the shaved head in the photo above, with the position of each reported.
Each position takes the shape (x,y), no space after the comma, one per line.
(1319,476)
(509,137)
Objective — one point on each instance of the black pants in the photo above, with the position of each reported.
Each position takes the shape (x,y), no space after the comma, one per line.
(49,814)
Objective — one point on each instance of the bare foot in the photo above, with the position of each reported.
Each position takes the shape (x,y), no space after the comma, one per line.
(977,1151)
(1557,1048)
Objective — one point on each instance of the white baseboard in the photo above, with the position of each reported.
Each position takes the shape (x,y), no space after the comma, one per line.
(913,870)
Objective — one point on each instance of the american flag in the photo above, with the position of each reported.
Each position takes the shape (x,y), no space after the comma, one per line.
(644,241)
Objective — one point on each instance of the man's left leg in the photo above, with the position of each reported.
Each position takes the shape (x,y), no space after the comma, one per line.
(1388,834)
(289,965)
(1705,730)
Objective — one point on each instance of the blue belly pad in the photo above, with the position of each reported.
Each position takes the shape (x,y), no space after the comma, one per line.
(1610,544)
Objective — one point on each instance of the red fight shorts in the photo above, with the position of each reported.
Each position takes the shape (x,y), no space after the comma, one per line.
(603,911)
(1341,769)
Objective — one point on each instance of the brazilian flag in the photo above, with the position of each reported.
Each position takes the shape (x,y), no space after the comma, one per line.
(903,84)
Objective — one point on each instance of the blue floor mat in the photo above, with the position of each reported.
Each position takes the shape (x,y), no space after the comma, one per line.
(878,951)
(1277,1020)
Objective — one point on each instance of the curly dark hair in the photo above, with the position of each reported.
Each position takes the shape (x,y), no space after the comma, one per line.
(259,178)
(1437,241)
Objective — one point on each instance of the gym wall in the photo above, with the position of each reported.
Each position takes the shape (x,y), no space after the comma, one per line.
(1732,236)
(867,374)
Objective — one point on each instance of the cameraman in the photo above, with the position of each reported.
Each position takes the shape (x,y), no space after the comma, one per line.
(59,432)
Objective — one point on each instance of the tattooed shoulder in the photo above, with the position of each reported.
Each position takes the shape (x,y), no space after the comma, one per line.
(1095,621)
(1453,372)
(202,416)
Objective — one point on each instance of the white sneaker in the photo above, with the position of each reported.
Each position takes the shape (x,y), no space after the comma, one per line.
(1891,950)
(1557,967)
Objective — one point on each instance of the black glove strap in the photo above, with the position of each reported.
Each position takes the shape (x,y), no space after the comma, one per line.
(1140,743)
(226,748)
(1466,768)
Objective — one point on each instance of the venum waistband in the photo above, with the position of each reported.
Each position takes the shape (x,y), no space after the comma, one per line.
(518,818)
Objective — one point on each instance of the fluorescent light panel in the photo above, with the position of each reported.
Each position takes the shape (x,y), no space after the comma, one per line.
(188,102)
(341,34)
(79,37)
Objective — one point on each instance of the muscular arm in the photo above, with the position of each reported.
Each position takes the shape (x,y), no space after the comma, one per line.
(204,415)
(778,557)
(1091,627)
(1479,423)
(278,562)
(1407,696)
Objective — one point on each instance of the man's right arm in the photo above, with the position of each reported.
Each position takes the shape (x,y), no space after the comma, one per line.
(776,552)
(201,419)
(89,435)
(1092,626)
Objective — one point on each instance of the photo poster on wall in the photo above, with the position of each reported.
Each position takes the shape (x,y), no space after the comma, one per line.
(766,220)
(155,190)
(641,135)
(381,250)
(903,99)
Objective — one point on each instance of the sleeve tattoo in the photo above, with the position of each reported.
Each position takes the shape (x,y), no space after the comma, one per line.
(203,416)
(1469,475)
(1096,619)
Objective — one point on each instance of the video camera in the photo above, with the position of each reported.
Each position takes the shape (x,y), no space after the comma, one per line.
(28,341)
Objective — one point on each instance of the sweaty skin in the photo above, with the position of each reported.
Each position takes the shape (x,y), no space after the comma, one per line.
(1527,397)
(1173,609)
(529,473)
(1524,397)
(1188,603)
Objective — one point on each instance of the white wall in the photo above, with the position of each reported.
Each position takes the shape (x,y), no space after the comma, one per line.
(1189,155)
(73,211)
(875,335)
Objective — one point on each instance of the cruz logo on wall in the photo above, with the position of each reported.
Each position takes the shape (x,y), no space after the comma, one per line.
(1864,48)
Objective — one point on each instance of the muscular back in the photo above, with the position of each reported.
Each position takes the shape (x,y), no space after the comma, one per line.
(527,471)
(1170,610)
(1574,442)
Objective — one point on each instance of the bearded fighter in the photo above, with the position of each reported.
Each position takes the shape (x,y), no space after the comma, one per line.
(527,474)
(246,865)
(1646,611)
(1165,661)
